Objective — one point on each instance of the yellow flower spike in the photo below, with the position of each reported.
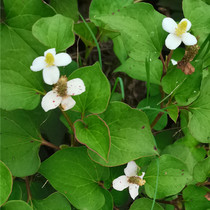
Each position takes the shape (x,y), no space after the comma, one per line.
(181,28)
(49,59)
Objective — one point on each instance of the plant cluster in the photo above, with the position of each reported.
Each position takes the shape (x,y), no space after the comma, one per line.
(68,141)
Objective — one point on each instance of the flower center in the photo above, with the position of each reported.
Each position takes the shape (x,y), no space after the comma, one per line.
(61,86)
(49,59)
(136,180)
(181,28)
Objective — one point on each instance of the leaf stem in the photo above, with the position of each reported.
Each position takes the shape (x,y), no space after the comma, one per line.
(119,79)
(164,66)
(47,143)
(27,181)
(169,58)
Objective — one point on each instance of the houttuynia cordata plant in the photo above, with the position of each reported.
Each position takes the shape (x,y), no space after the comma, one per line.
(105,104)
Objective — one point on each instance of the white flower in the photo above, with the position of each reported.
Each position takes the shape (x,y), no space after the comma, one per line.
(130,180)
(62,93)
(174,62)
(49,63)
(178,33)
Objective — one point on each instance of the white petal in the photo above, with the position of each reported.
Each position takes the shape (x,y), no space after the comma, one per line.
(133,190)
(142,176)
(51,100)
(188,23)
(189,39)
(131,169)
(173,62)
(169,25)
(62,59)
(38,63)
(120,183)
(52,51)
(172,41)
(51,75)
(67,103)
(75,87)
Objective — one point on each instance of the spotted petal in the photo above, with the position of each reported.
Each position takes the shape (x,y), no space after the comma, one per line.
(131,169)
(51,101)
(133,190)
(38,64)
(120,183)
(68,103)
(52,51)
(172,41)
(62,59)
(75,87)
(169,25)
(51,75)
(189,39)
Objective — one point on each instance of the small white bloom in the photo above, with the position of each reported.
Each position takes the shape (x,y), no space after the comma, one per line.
(174,62)
(130,180)
(49,63)
(62,93)
(178,33)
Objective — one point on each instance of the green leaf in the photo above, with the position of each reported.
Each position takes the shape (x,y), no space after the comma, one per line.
(131,137)
(16,193)
(199,115)
(151,113)
(202,170)
(144,204)
(173,112)
(68,8)
(81,176)
(196,198)
(108,7)
(5,183)
(20,86)
(108,200)
(20,141)
(82,31)
(136,70)
(55,32)
(173,176)
(184,87)
(16,205)
(200,24)
(140,26)
(53,202)
(94,133)
(96,97)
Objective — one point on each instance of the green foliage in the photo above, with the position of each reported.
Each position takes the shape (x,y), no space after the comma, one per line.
(81,176)
(6,183)
(52,32)
(16,205)
(144,204)
(54,202)
(130,135)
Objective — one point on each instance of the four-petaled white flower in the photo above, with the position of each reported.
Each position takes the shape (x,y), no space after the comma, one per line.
(130,180)
(49,63)
(178,33)
(61,94)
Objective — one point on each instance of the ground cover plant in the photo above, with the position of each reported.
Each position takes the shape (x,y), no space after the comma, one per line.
(105,104)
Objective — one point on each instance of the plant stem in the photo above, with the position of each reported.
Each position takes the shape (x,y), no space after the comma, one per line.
(169,58)
(47,143)
(28,188)
(164,67)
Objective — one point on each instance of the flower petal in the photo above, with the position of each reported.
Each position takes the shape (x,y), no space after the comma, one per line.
(52,51)
(133,190)
(169,25)
(67,103)
(188,23)
(51,75)
(38,63)
(189,39)
(51,100)
(75,87)
(62,59)
(131,169)
(172,41)
(120,183)
(174,62)
(142,176)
